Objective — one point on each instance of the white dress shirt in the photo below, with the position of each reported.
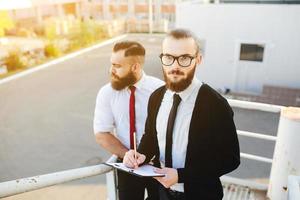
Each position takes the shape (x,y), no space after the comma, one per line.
(112,109)
(181,125)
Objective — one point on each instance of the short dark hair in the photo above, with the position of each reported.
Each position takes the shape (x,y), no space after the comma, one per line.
(131,48)
(184,33)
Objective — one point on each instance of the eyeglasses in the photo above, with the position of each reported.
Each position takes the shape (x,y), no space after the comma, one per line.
(183,60)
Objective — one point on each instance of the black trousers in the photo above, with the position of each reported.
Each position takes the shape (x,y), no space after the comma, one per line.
(132,187)
(167,194)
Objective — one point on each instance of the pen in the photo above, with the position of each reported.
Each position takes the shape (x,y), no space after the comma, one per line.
(151,160)
(134,145)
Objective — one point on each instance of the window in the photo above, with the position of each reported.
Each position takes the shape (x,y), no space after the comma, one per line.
(252,52)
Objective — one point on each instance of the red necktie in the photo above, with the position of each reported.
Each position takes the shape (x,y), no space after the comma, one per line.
(132,115)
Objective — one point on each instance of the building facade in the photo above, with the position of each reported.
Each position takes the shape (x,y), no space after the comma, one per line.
(139,11)
(245,46)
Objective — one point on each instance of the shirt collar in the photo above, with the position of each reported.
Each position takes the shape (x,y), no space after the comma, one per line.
(140,83)
(185,94)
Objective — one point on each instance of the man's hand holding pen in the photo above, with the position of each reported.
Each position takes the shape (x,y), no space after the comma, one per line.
(133,159)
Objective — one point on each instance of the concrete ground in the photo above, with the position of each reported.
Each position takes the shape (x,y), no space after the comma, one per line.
(46,124)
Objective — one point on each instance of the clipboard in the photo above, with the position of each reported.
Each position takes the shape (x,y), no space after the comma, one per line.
(142,171)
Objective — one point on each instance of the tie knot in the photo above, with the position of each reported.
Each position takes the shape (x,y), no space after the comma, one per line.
(176,99)
(132,88)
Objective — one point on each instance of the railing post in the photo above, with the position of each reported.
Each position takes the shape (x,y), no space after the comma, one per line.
(286,159)
(111,185)
(111,181)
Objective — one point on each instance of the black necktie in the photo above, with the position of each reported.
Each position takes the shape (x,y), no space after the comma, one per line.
(169,138)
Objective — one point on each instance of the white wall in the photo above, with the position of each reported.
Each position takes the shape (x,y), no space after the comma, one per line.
(224,26)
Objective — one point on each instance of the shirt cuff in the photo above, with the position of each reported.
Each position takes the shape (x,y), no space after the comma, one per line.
(103,129)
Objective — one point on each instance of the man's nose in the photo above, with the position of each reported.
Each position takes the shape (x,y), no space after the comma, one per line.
(175,64)
(112,69)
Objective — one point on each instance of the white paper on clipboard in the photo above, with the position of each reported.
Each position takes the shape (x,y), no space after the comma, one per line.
(142,171)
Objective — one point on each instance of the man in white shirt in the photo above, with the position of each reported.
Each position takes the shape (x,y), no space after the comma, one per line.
(121,110)
(189,128)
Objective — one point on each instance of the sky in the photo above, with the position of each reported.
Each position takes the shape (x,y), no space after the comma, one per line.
(14,4)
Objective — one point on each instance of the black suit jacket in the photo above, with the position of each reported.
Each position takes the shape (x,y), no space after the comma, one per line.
(212,150)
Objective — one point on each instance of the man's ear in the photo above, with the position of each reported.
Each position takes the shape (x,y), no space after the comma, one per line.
(199,58)
(135,67)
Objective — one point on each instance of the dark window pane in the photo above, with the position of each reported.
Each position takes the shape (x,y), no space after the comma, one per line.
(252,52)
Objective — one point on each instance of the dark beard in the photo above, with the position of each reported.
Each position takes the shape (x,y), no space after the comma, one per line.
(121,83)
(182,84)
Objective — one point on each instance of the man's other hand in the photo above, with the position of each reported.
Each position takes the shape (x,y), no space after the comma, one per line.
(170,178)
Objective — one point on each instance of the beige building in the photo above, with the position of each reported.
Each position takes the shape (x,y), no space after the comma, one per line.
(159,16)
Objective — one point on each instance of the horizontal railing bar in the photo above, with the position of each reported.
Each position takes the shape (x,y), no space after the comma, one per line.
(255,106)
(257,158)
(18,186)
(257,135)
(246,183)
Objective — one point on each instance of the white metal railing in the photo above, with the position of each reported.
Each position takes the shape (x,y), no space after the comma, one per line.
(258,136)
(28,184)
(255,106)
(261,107)
(294,187)
(19,186)
(257,158)
(287,140)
